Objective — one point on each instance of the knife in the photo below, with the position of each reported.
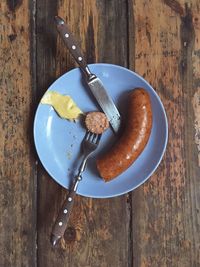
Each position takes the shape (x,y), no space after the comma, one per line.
(94,83)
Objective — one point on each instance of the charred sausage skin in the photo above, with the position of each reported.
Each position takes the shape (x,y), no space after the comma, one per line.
(134,138)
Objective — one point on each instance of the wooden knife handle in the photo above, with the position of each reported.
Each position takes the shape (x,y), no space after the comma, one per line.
(72,45)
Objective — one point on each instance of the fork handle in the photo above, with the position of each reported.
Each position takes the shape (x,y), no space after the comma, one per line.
(64,214)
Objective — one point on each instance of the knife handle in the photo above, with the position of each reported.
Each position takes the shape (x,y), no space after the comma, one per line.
(72,45)
(64,214)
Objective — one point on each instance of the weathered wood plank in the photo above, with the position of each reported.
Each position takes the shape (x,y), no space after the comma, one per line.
(165,213)
(98,231)
(17,179)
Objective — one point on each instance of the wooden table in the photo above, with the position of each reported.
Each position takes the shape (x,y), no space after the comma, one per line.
(159,223)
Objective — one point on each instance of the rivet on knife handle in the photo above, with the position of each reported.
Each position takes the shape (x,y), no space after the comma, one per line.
(72,45)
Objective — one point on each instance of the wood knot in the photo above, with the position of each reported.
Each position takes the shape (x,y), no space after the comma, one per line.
(175,6)
(13,4)
(12,37)
(70,235)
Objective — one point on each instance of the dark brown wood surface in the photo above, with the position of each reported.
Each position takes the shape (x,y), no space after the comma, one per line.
(165,210)
(159,223)
(18,180)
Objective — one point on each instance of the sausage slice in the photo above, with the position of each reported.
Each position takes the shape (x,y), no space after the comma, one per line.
(133,140)
(96,122)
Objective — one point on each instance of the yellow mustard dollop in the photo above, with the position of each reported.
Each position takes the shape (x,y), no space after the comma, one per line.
(63,105)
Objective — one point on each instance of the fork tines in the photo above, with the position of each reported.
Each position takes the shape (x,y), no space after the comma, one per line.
(92,137)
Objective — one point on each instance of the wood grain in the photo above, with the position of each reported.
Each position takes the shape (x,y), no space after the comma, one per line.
(165,215)
(159,223)
(17,165)
(98,231)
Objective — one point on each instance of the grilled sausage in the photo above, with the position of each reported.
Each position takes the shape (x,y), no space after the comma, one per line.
(96,122)
(133,140)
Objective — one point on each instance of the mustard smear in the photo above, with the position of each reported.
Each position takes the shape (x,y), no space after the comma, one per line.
(63,105)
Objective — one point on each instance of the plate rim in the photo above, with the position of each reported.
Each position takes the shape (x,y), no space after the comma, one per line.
(161,155)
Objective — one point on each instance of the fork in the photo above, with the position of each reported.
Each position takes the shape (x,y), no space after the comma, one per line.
(89,144)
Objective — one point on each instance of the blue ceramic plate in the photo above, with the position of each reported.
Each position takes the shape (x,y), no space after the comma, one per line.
(58,141)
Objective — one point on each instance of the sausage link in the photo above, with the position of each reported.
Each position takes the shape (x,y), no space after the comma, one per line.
(134,137)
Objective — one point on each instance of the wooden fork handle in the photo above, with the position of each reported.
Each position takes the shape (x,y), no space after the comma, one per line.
(64,214)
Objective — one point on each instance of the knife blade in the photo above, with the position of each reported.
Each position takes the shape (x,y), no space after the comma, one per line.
(94,83)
